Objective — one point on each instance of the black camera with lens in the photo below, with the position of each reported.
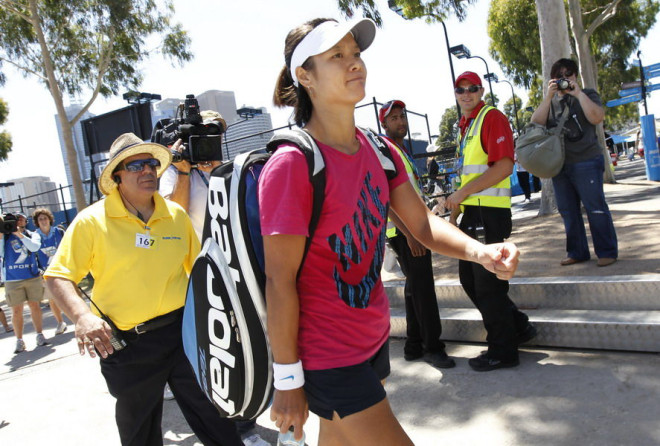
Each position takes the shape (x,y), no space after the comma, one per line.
(8,224)
(202,141)
(563,84)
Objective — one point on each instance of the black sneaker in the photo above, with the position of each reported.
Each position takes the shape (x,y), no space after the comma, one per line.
(412,356)
(527,334)
(484,363)
(439,360)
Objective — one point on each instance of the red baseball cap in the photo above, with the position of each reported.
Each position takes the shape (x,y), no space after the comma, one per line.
(387,108)
(470,76)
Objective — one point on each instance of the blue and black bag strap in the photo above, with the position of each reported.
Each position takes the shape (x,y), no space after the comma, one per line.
(316,169)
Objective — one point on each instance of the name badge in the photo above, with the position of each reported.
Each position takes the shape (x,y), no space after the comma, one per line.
(145,241)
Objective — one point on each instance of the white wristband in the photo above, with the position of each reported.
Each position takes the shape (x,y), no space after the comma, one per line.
(288,376)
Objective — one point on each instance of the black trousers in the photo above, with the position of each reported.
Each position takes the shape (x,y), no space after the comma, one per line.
(422,314)
(136,377)
(502,319)
(523,179)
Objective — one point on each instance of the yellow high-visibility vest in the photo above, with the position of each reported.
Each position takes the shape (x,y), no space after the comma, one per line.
(391,229)
(475,163)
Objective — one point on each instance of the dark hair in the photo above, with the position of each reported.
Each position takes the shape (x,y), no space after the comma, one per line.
(37,212)
(286,93)
(568,64)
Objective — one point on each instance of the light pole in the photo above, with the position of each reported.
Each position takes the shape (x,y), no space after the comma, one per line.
(462,52)
(493,76)
(399,10)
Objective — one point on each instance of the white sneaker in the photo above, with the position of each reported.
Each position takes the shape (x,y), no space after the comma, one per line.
(61,328)
(255,440)
(20,346)
(41,340)
(167,394)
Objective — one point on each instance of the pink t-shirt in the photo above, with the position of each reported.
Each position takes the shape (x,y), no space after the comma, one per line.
(344,312)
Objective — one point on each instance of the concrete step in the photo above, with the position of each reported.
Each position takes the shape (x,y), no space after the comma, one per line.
(629,293)
(597,329)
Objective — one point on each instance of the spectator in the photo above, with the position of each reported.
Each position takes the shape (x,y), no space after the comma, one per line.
(422,315)
(3,319)
(140,249)
(580,181)
(328,318)
(485,152)
(23,279)
(51,236)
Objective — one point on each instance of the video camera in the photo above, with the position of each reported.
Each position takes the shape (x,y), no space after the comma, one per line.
(202,141)
(8,224)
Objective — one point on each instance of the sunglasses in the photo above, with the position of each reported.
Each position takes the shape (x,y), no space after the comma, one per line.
(471,89)
(567,73)
(138,165)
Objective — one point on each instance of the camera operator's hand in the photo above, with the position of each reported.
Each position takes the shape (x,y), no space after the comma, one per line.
(183,165)
(552,88)
(574,88)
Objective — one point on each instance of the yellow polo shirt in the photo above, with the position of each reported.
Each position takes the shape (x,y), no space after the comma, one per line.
(140,270)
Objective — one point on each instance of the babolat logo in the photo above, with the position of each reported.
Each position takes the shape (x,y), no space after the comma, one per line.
(221,324)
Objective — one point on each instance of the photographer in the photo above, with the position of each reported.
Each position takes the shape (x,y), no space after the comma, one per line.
(581,177)
(186,183)
(21,276)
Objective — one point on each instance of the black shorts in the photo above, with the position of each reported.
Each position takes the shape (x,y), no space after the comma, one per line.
(348,390)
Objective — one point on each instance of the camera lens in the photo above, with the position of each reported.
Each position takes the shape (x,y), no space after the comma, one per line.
(563,84)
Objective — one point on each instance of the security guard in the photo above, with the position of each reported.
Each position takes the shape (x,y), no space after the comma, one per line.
(485,152)
(423,326)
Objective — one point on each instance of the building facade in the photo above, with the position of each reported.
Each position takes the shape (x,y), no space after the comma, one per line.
(29,193)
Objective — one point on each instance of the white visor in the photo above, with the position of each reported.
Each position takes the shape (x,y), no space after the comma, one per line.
(328,34)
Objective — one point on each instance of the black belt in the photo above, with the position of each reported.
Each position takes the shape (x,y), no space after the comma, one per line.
(157,322)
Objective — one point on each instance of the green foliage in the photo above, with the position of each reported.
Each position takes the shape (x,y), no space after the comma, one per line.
(432,10)
(515,45)
(448,128)
(487,98)
(4,111)
(5,145)
(5,137)
(88,39)
(515,41)
(508,110)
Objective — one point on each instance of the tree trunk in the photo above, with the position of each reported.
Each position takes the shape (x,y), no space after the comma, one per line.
(589,73)
(553,30)
(56,93)
(72,161)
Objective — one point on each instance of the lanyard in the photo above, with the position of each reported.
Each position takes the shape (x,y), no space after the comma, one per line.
(201,174)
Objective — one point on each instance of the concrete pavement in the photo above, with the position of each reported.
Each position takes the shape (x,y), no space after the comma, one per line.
(51,395)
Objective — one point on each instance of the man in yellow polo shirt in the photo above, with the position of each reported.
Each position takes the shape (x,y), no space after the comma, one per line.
(140,249)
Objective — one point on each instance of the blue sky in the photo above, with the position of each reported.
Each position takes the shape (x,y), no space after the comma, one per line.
(238,46)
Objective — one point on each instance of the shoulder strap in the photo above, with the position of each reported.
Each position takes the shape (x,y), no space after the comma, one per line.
(316,168)
(382,151)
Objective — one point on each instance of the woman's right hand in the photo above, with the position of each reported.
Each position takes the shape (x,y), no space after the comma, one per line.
(552,88)
(290,409)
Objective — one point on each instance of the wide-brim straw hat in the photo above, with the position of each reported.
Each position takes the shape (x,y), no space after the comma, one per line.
(126,146)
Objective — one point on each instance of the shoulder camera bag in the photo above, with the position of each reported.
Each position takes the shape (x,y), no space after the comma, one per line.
(541,150)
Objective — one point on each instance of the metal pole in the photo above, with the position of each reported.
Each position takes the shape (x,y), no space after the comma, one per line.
(490,86)
(376,113)
(451,68)
(642,80)
(428,129)
(515,107)
(66,214)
